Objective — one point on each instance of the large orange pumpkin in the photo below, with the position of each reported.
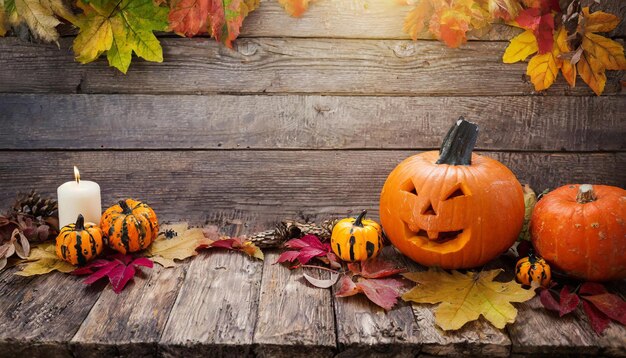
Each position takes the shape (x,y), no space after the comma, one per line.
(452,208)
(130,225)
(580,230)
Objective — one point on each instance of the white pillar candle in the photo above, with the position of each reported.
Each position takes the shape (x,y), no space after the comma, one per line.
(79,197)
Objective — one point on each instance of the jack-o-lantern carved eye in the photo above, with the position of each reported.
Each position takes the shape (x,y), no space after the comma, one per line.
(409,187)
(455,192)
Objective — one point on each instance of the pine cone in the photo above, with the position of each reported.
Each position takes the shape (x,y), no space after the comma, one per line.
(34,205)
(287,230)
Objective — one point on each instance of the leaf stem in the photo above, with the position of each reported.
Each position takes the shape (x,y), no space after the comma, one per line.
(320,267)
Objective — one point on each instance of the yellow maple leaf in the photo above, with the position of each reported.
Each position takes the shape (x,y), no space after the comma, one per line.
(417,19)
(592,72)
(42,260)
(599,21)
(544,68)
(3,19)
(521,46)
(606,51)
(567,68)
(176,242)
(250,249)
(464,297)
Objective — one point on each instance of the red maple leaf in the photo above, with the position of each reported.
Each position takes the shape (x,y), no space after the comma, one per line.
(373,278)
(304,249)
(239,244)
(222,19)
(599,305)
(119,268)
(541,24)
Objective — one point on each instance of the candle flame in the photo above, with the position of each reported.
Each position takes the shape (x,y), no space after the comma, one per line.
(76,175)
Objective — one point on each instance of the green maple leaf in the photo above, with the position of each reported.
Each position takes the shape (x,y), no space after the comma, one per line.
(120,27)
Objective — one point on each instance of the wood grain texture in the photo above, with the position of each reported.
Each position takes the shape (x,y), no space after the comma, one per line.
(278,65)
(366,330)
(306,122)
(476,338)
(39,315)
(192,185)
(295,319)
(215,312)
(130,323)
(538,331)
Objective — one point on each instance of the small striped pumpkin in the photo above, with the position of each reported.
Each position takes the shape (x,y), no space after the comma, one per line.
(78,243)
(356,239)
(129,225)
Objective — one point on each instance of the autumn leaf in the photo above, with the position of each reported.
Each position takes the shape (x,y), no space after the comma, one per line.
(530,199)
(504,9)
(304,249)
(599,21)
(42,260)
(120,28)
(521,46)
(542,26)
(450,24)
(118,268)
(295,7)
(176,242)
(374,278)
(239,244)
(464,297)
(41,16)
(221,18)
(416,21)
(567,68)
(598,304)
(543,69)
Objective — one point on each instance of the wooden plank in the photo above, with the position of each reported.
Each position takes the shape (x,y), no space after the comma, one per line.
(39,315)
(130,323)
(306,122)
(283,65)
(538,331)
(365,330)
(191,185)
(215,312)
(295,319)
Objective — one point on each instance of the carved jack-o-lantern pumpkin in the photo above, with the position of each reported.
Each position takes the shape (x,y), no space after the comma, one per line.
(452,208)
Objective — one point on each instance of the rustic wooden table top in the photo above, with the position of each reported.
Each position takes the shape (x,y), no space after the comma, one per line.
(226,304)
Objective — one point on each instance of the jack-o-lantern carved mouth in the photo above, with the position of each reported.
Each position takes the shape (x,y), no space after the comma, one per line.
(438,237)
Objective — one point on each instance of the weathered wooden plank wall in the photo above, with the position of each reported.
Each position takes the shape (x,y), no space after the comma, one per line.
(304,117)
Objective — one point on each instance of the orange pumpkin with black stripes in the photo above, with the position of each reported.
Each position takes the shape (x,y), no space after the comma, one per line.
(78,243)
(532,269)
(356,239)
(129,225)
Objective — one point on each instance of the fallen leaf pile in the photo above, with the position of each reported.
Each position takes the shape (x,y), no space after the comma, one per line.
(43,260)
(176,242)
(465,297)
(374,278)
(573,47)
(118,268)
(599,305)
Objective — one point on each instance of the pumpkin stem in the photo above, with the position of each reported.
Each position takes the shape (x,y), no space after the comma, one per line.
(80,223)
(359,219)
(125,208)
(458,144)
(586,194)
